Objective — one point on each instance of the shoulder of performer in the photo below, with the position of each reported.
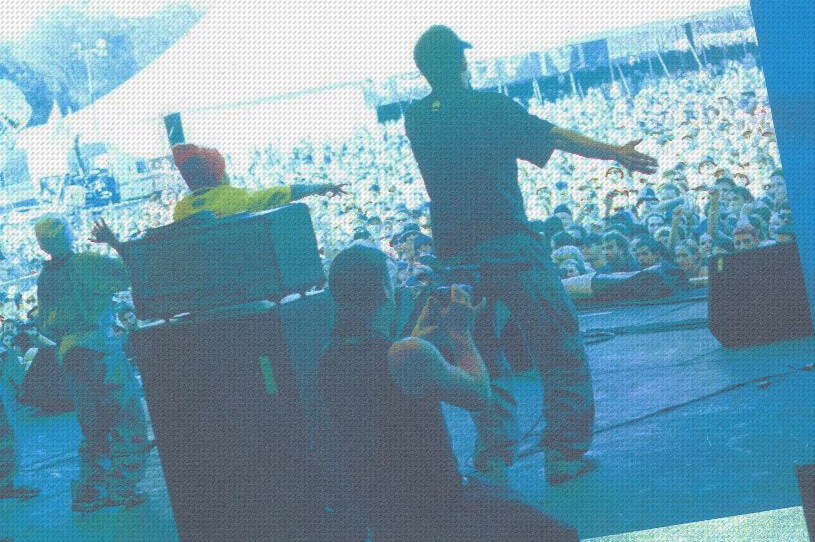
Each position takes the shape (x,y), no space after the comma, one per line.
(413,365)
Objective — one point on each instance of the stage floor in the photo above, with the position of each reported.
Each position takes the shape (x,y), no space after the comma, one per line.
(686,431)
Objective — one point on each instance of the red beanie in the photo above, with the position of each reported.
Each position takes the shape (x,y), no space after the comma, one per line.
(199,167)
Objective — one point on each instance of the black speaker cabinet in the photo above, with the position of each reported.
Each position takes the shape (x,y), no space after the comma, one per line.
(196,265)
(806,483)
(228,394)
(758,297)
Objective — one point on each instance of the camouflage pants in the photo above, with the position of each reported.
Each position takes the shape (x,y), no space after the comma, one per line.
(8,463)
(114,427)
(547,319)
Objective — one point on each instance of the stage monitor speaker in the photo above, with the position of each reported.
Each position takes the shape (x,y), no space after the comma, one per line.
(231,398)
(175,132)
(806,483)
(758,297)
(195,265)
(44,385)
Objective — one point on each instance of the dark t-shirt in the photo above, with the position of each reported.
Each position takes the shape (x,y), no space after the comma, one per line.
(467,144)
(402,467)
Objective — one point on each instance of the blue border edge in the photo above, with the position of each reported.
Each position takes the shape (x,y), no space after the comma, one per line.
(786,41)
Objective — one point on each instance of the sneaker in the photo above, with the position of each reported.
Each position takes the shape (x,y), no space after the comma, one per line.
(559,470)
(128,499)
(18,492)
(89,506)
(87,498)
(493,470)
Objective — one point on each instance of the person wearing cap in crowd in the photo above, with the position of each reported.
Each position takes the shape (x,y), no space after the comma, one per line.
(707,166)
(785,234)
(422,247)
(562,194)
(204,172)
(654,221)
(646,202)
(402,242)
(467,144)
(75,294)
(739,198)
(564,213)
(778,188)
(745,237)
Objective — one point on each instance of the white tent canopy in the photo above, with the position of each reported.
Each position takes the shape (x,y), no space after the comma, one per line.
(248,55)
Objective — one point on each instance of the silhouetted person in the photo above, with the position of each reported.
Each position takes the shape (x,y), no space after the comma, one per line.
(467,144)
(382,396)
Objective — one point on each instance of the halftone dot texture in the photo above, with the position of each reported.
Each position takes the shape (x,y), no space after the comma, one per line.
(238,77)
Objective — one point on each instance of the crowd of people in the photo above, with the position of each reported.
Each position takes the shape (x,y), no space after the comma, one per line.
(710,129)
(719,189)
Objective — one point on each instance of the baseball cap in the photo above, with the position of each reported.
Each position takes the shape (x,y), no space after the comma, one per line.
(361,233)
(562,208)
(199,167)
(438,52)
(421,239)
(410,228)
(647,194)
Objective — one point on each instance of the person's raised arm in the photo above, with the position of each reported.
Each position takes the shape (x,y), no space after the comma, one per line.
(675,222)
(420,370)
(300,191)
(627,155)
(102,234)
(713,213)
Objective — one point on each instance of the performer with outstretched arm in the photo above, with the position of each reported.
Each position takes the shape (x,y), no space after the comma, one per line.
(467,144)
(204,172)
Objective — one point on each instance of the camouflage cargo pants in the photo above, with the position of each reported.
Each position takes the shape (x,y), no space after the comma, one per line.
(547,319)
(114,427)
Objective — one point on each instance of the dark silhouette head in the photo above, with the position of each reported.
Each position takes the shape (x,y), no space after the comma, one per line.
(439,55)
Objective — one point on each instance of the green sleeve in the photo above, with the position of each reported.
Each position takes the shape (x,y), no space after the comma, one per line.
(269,198)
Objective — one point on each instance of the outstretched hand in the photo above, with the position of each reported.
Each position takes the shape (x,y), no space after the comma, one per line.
(101,233)
(335,190)
(440,317)
(633,160)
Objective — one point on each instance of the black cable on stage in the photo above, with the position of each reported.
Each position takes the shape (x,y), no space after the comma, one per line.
(762,382)
(645,329)
(672,300)
(599,335)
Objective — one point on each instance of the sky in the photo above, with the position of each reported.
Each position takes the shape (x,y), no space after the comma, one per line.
(19,16)
(561,19)
(245,51)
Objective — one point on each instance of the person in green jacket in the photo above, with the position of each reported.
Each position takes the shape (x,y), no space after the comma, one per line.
(75,292)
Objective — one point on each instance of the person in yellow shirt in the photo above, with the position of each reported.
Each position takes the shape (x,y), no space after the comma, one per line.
(75,295)
(204,171)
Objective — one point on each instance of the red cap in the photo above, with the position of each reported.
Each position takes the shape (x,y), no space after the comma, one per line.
(199,167)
